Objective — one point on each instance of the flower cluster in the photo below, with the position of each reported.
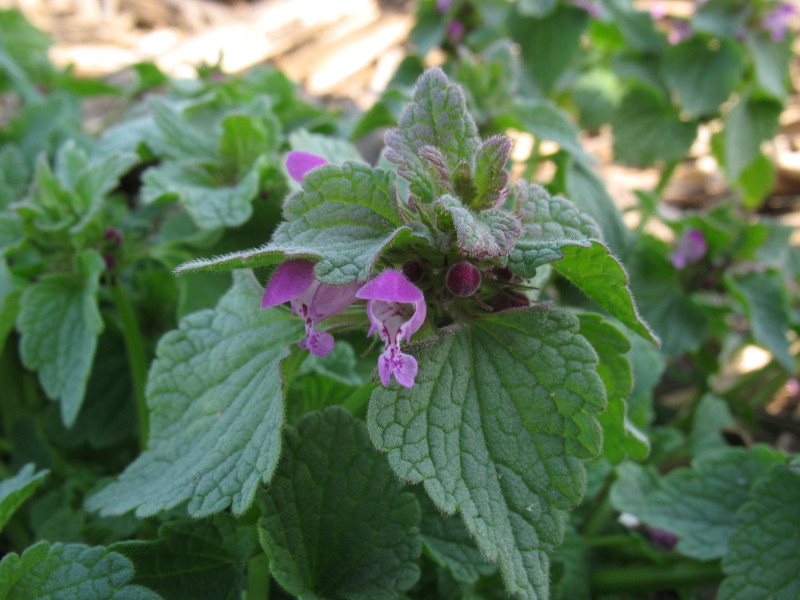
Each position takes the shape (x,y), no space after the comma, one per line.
(395,306)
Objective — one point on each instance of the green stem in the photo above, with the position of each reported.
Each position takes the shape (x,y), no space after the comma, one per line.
(134,345)
(599,517)
(666,177)
(607,541)
(258,579)
(655,577)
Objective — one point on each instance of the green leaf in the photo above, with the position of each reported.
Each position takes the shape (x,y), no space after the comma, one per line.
(595,271)
(486,234)
(597,93)
(496,425)
(771,62)
(180,139)
(437,116)
(702,75)
(620,435)
(216,410)
(722,18)
(547,44)
(14,174)
(547,121)
(53,572)
(12,233)
(647,128)
(710,417)
(11,287)
(244,140)
(336,522)
(536,8)
(551,223)
(334,150)
(588,192)
(756,182)
(765,299)
(698,504)
(571,568)
(69,197)
(210,203)
(764,556)
(344,216)
(449,544)
(15,490)
(748,124)
(194,560)
(59,323)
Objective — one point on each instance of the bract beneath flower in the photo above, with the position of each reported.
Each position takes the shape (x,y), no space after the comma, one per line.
(311,299)
(396,310)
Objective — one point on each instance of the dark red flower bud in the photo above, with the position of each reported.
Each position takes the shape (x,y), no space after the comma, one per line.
(412,270)
(463,279)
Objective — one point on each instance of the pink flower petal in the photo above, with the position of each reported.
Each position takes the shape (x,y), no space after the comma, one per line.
(319,343)
(391,286)
(404,367)
(299,163)
(290,280)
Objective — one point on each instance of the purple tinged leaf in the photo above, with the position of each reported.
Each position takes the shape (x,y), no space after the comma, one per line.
(388,298)
(298,163)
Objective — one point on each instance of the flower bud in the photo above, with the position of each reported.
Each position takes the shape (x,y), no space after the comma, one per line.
(412,270)
(463,279)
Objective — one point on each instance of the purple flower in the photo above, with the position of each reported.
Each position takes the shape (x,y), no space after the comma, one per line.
(662,539)
(681,30)
(442,6)
(691,248)
(455,31)
(777,21)
(391,298)
(311,299)
(299,163)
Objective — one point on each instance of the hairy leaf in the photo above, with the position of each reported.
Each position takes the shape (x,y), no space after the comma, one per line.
(495,427)
(210,203)
(59,323)
(194,560)
(551,224)
(438,117)
(57,571)
(336,522)
(764,556)
(698,504)
(449,544)
(216,410)
(485,234)
(620,435)
(344,216)
(602,278)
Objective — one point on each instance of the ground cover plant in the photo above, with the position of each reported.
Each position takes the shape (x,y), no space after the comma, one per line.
(239,361)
